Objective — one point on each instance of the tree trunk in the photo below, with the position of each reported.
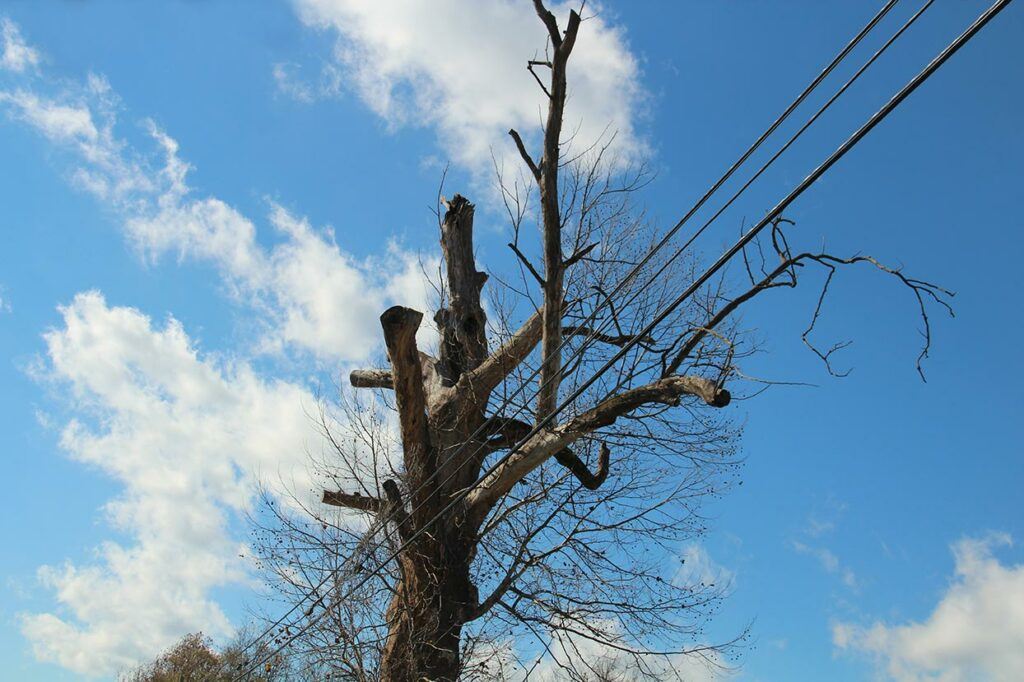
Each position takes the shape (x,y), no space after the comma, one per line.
(431,603)
(434,596)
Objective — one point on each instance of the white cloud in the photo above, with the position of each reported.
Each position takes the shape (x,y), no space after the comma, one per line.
(829,561)
(583,654)
(588,659)
(289,82)
(315,296)
(460,67)
(82,120)
(185,436)
(181,433)
(974,634)
(697,567)
(15,54)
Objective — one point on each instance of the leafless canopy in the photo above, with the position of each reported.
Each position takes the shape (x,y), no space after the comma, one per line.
(562,545)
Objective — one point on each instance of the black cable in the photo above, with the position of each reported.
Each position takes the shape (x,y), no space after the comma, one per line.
(654,250)
(636,268)
(853,79)
(841,151)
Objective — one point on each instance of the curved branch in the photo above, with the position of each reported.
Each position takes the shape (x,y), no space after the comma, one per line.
(573,463)
(549,442)
(921,289)
(503,433)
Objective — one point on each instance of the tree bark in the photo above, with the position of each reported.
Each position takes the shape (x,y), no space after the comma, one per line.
(432,601)
(434,595)
(463,324)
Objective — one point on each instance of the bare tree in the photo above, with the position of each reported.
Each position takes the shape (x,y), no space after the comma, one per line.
(512,518)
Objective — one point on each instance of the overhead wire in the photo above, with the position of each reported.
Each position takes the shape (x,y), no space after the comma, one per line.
(749,236)
(596,332)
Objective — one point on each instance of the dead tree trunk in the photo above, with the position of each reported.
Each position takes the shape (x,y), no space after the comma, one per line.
(435,596)
(447,431)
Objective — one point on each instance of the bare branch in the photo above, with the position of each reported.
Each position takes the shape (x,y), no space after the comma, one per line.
(922,291)
(336,498)
(546,443)
(526,261)
(554,268)
(550,22)
(505,359)
(666,391)
(615,340)
(371,378)
(590,481)
(534,169)
(529,67)
(580,255)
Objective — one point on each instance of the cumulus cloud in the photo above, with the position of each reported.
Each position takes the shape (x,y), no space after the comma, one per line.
(15,54)
(459,66)
(184,435)
(974,634)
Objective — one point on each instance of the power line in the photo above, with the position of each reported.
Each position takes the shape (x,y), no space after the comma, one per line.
(853,79)
(749,236)
(885,9)
(636,268)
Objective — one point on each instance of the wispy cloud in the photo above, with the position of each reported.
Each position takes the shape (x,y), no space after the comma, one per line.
(828,561)
(15,54)
(975,632)
(290,82)
(303,285)
(811,541)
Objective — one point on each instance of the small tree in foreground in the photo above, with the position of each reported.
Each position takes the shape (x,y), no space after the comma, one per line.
(195,659)
(565,541)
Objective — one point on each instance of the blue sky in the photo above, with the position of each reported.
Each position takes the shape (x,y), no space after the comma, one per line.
(151,320)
